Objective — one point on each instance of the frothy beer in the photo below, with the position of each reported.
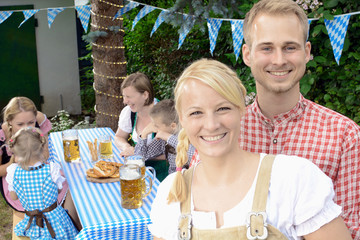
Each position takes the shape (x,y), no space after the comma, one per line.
(131,185)
(106,149)
(71,148)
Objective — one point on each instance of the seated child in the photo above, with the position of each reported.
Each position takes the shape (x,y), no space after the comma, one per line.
(164,122)
(37,185)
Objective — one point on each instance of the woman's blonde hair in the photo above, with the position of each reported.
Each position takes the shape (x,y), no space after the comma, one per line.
(224,81)
(27,143)
(274,7)
(17,105)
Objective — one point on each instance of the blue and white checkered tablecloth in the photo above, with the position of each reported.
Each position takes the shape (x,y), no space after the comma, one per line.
(98,204)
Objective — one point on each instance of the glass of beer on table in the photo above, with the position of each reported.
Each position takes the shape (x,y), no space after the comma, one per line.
(70,140)
(140,161)
(105,147)
(131,186)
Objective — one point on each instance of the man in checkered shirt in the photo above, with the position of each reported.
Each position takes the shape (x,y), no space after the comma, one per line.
(281,120)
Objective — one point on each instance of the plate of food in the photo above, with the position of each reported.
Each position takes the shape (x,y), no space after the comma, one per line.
(104,172)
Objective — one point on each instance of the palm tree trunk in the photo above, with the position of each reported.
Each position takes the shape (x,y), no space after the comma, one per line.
(108,62)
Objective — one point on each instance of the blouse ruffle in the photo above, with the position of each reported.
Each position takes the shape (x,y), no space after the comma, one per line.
(54,171)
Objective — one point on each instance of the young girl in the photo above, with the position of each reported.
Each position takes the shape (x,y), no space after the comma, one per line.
(37,184)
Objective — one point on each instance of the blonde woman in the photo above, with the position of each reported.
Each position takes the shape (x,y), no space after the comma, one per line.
(231,193)
(18,113)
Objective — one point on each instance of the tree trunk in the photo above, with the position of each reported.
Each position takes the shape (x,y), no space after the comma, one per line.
(108,62)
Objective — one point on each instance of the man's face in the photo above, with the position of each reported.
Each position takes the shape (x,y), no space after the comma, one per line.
(277,55)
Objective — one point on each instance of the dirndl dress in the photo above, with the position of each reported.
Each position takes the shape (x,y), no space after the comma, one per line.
(37,191)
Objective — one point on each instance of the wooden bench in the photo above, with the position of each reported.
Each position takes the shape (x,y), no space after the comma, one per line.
(17,217)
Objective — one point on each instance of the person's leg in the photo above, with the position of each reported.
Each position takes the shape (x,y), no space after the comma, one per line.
(70,207)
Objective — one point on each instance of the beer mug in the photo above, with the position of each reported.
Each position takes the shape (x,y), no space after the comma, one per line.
(140,161)
(71,145)
(131,186)
(105,147)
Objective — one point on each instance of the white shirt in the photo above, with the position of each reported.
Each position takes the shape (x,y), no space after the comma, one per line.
(54,171)
(125,124)
(300,201)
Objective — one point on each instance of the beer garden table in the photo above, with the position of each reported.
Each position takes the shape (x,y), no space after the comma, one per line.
(98,204)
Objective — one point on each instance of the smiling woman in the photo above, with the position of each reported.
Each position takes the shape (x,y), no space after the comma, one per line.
(138,95)
(226,195)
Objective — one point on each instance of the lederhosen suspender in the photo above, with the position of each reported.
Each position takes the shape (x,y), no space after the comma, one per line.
(256,222)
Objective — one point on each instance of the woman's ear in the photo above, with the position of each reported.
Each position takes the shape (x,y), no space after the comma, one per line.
(146,95)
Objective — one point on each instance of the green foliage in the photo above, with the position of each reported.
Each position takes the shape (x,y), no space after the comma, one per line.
(61,121)
(325,82)
(335,86)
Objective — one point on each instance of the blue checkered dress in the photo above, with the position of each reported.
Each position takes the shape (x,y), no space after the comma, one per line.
(36,190)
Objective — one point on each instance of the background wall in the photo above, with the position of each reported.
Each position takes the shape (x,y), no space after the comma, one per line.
(57,56)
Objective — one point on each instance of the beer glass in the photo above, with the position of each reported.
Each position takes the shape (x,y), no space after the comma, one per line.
(71,145)
(105,147)
(140,161)
(131,186)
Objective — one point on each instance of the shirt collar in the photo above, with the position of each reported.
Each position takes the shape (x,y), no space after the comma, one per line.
(295,113)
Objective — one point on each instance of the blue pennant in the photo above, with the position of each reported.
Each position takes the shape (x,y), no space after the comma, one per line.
(52,13)
(125,9)
(237,35)
(213,26)
(337,31)
(84,15)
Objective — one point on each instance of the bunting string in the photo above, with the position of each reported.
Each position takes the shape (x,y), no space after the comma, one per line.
(336,28)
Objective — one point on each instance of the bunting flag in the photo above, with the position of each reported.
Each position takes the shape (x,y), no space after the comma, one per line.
(214,27)
(28,14)
(126,8)
(185,29)
(237,35)
(4,15)
(158,22)
(337,31)
(52,13)
(84,15)
(309,22)
(143,12)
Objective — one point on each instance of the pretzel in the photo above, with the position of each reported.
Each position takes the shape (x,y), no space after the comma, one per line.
(104,169)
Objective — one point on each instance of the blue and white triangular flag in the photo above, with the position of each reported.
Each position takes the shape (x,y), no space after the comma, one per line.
(52,13)
(237,35)
(126,8)
(4,15)
(143,12)
(185,29)
(84,15)
(309,22)
(158,22)
(28,14)
(213,26)
(337,31)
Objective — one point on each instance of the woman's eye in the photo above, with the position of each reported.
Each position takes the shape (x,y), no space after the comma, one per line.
(195,113)
(224,109)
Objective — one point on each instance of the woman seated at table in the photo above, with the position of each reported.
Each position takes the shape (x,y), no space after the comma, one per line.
(231,193)
(138,95)
(18,113)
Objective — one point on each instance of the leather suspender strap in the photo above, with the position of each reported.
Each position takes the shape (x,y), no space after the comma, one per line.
(184,229)
(256,222)
(39,216)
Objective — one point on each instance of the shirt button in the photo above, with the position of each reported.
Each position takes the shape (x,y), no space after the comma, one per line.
(275,141)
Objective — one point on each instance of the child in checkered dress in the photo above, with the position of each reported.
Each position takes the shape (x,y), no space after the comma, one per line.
(165,123)
(37,184)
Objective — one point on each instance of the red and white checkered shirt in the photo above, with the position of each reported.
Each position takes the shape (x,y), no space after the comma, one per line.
(309,130)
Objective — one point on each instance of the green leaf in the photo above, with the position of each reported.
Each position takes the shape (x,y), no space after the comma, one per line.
(331,3)
(320,59)
(327,97)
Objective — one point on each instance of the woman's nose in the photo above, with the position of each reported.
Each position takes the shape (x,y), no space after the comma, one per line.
(211,122)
